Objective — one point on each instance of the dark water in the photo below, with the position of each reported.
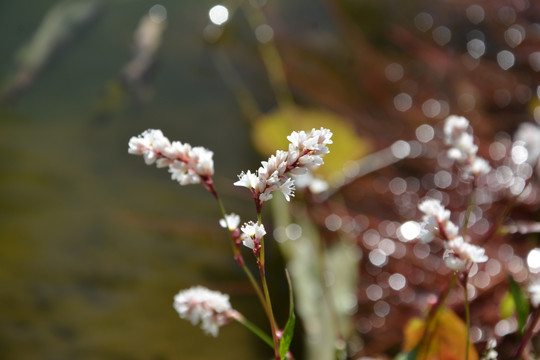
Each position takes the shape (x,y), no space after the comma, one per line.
(93,243)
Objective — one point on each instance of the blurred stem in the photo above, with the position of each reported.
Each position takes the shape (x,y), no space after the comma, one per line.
(470,208)
(271,58)
(243,95)
(500,219)
(533,322)
(269,311)
(253,328)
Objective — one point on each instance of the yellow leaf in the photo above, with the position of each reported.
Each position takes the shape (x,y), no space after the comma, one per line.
(445,340)
(270,134)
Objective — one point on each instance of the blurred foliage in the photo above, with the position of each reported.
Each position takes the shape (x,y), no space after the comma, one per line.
(521,303)
(443,340)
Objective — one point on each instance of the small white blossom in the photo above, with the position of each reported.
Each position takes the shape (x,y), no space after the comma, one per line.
(199,305)
(252,231)
(231,222)
(149,144)
(247,179)
(287,188)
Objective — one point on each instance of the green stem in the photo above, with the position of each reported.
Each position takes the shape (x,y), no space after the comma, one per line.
(246,270)
(270,312)
(254,328)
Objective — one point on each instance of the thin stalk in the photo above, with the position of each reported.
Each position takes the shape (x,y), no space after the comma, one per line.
(246,270)
(271,59)
(253,328)
(470,208)
(270,312)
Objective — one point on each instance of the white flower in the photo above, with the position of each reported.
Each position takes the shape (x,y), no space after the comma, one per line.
(252,232)
(198,304)
(465,251)
(287,188)
(231,221)
(534,293)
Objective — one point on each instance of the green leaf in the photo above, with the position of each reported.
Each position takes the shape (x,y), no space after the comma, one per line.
(507,307)
(288,332)
(520,302)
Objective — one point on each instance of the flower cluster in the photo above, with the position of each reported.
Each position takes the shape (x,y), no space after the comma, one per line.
(462,147)
(187,165)
(198,304)
(305,153)
(436,222)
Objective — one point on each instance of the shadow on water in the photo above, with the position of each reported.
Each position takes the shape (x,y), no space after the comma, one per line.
(94,244)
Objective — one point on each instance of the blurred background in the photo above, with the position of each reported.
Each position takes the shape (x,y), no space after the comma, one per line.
(94,244)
